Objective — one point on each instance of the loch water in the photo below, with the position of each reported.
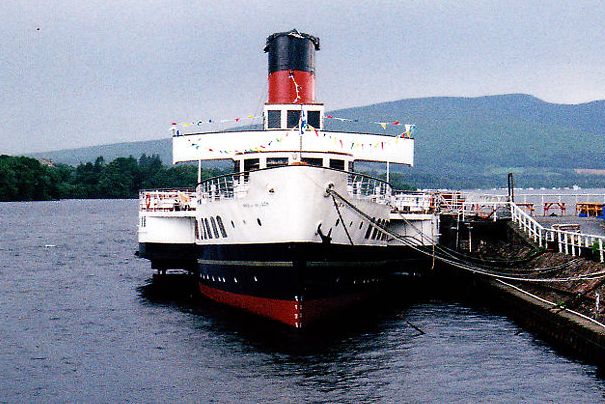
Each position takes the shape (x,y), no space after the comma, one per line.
(81,320)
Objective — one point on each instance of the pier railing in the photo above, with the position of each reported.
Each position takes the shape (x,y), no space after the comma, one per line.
(167,200)
(567,239)
(561,204)
(567,242)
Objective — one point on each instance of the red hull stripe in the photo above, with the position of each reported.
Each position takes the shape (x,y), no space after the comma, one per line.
(290,312)
(282,89)
(285,311)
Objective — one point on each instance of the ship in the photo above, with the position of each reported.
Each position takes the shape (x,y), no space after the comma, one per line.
(293,233)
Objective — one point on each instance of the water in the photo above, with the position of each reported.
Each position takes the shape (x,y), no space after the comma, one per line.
(81,322)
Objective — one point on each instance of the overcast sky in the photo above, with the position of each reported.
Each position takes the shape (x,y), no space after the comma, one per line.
(81,73)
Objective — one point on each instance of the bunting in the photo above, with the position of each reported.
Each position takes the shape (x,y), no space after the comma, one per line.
(409,129)
(213,121)
(335,139)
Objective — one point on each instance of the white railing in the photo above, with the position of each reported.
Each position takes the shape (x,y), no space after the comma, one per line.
(560,204)
(568,242)
(448,201)
(230,186)
(412,202)
(361,186)
(235,186)
(167,200)
(487,209)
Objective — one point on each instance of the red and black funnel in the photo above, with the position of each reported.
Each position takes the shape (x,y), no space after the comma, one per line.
(291,67)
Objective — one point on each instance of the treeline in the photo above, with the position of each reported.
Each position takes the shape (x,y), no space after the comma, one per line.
(27,179)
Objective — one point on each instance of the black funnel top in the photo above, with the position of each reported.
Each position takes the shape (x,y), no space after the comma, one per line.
(291,50)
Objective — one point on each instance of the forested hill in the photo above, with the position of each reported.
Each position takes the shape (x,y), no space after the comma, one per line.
(462,142)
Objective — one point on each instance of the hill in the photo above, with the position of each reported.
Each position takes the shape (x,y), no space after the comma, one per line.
(462,142)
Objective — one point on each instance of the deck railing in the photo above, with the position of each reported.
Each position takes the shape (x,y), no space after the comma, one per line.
(167,200)
(412,202)
(235,186)
(228,186)
(362,186)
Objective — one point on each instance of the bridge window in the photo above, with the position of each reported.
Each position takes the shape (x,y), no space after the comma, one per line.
(313,161)
(293,118)
(277,161)
(337,164)
(313,119)
(274,119)
(251,164)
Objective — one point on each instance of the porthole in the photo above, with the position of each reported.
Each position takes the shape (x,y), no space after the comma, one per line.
(259,222)
(337,222)
(232,224)
(360,225)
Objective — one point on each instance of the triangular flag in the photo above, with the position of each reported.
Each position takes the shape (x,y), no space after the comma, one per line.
(383,124)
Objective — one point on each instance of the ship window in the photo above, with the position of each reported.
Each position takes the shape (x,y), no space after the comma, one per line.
(351,166)
(236,166)
(293,118)
(202,229)
(313,161)
(251,164)
(337,164)
(197,230)
(277,161)
(221,227)
(313,119)
(374,233)
(369,231)
(274,119)
(214,229)
(207,227)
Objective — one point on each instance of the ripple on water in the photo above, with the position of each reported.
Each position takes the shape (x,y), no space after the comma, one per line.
(83,322)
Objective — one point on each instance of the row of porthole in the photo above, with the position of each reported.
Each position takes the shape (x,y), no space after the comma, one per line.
(222,279)
(377,233)
(209,229)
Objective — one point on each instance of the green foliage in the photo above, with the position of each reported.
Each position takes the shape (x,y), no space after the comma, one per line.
(26,179)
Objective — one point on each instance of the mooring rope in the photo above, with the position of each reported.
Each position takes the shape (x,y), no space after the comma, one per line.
(445,256)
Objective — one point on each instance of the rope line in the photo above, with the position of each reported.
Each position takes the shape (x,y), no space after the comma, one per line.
(447,257)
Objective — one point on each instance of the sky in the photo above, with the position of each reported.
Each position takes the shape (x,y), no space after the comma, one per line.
(83,73)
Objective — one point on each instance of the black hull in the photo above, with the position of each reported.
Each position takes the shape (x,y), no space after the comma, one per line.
(279,280)
(170,256)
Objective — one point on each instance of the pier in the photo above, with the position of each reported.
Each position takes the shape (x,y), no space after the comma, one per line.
(543,264)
